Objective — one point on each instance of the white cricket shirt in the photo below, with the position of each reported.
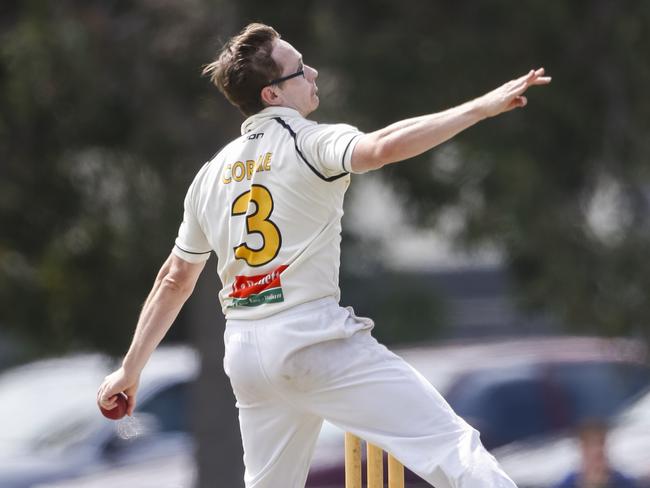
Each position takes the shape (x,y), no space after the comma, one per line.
(270,205)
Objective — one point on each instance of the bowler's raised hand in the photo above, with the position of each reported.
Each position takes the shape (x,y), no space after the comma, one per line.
(511,94)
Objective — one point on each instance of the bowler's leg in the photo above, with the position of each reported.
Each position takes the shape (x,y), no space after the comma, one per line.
(376,395)
(278,445)
(277,437)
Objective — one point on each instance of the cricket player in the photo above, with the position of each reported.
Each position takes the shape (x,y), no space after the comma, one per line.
(269,204)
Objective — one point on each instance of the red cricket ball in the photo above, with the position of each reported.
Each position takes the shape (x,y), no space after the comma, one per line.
(118,411)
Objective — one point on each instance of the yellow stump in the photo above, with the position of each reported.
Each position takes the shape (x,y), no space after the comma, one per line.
(375,467)
(352,461)
(395,473)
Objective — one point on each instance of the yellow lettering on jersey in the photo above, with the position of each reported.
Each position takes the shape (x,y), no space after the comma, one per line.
(240,170)
(250,168)
(259,166)
(227,174)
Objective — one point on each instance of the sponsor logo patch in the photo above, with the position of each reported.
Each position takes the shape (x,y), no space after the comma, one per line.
(251,291)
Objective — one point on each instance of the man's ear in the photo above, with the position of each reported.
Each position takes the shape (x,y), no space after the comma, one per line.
(269,97)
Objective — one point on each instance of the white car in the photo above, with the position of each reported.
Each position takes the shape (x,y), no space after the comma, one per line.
(52,429)
(175,471)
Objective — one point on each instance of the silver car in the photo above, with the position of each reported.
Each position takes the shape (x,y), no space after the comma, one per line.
(52,429)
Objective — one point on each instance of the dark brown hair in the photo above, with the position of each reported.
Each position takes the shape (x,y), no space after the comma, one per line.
(244,66)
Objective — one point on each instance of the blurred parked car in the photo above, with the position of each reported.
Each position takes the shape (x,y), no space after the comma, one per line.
(53,430)
(58,434)
(174,471)
(542,462)
(515,389)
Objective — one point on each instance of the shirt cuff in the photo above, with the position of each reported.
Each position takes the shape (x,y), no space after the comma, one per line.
(347,155)
(190,256)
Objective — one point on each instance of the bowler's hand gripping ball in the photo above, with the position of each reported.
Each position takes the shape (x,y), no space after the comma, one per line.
(118,411)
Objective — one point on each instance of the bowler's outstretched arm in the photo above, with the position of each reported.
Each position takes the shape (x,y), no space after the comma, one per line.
(411,137)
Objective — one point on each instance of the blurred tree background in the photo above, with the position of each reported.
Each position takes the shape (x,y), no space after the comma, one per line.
(104,120)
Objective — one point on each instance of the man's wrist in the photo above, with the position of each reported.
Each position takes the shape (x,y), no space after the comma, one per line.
(479,108)
(131,365)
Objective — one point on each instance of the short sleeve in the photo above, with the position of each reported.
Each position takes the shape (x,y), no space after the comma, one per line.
(191,244)
(328,147)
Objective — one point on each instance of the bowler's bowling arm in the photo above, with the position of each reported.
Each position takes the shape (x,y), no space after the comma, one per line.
(173,286)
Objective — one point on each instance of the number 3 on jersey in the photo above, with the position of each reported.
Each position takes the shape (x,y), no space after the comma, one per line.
(257,223)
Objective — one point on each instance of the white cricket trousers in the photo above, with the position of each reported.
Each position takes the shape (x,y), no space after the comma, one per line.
(319,361)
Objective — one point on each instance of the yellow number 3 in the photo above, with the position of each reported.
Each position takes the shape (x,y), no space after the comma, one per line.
(258,223)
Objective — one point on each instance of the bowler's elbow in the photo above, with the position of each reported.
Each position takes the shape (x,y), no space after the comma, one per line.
(181,276)
(177,284)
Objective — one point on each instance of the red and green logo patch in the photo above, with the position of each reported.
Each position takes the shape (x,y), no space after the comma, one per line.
(251,291)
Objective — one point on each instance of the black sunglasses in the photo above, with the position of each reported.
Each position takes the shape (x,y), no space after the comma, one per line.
(300,72)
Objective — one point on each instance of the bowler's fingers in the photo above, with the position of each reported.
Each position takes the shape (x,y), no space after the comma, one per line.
(536,77)
(524,80)
(541,80)
(533,78)
(109,403)
(516,102)
(130,404)
(106,398)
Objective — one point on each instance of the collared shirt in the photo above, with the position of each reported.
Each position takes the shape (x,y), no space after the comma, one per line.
(270,205)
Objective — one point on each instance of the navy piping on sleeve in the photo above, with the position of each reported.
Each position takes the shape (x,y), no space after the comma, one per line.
(295,142)
(345,152)
(190,252)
